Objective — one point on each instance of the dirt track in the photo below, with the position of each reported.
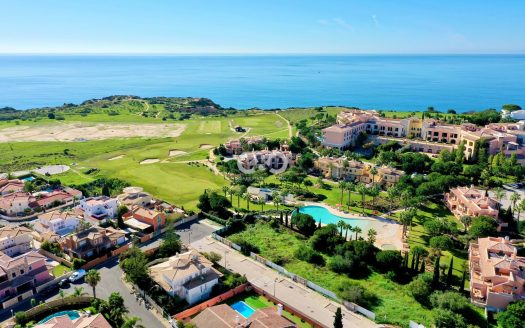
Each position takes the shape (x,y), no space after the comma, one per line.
(88,131)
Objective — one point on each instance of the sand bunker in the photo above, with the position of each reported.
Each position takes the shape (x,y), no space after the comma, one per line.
(116,157)
(52,169)
(205,146)
(150,161)
(175,152)
(81,131)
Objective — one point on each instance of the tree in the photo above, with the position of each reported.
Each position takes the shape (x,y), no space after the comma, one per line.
(435,278)
(440,243)
(372,234)
(373,171)
(418,253)
(499,194)
(362,190)
(29,186)
(341,225)
(122,209)
(514,316)
(449,274)
(132,322)
(276,198)
(482,226)
(93,278)
(170,244)
(452,301)
(406,217)
(448,319)
(514,198)
(78,291)
(225,190)
(342,185)
(305,223)
(105,190)
(338,318)
(419,289)
(374,192)
(134,263)
(466,220)
(357,231)
(389,260)
(116,308)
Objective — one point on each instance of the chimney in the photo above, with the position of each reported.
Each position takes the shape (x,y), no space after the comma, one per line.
(280,309)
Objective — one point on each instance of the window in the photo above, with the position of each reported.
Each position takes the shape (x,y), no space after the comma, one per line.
(13,274)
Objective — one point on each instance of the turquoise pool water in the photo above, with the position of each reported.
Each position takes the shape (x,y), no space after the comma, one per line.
(31,178)
(243,309)
(71,314)
(320,213)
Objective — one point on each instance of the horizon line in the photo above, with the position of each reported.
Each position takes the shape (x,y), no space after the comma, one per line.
(256,54)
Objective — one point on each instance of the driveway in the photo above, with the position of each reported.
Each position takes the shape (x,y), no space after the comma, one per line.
(300,297)
(111,276)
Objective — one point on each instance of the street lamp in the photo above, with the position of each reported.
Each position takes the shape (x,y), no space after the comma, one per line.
(12,313)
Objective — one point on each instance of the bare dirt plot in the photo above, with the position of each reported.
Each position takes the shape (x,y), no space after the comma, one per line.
(205,146)
(150,161)
(175,152)
(52,169)
(88,131)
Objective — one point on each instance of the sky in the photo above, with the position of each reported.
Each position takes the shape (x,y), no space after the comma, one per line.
(263,26)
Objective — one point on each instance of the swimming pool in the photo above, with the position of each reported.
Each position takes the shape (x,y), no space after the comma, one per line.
(71,314)
(320,213)
(30,178)
(243,309)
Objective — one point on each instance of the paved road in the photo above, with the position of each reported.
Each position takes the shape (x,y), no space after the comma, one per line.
(195,231)
(296,295)
(110,282)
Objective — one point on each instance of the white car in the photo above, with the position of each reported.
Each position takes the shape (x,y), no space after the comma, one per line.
(79,274)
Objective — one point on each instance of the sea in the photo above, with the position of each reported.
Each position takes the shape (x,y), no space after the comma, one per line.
(388,82)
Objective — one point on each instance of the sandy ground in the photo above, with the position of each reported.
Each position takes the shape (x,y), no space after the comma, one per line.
(205,146)
(116,157)
(175,152)
(52,169)
(150,161)
(88,131)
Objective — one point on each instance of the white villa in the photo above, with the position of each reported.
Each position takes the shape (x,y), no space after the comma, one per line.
(134,196)
(100,208)
(58,222)
(188,275)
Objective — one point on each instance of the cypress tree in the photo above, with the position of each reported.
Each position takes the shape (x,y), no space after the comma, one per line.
(462,286)
(105,190)
(286,218)
(449,274)
(422,270)
(413,261)
(319,225)
(435,279)
(338,318)
(281,217)
(405,260)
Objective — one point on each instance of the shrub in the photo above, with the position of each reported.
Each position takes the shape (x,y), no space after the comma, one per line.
(247,247)
(309,255)
(514,316)
(452,301)
(340,264)
(20,317)
(389,261)
(419,289)
(447,319)
(305,223)
(78,263)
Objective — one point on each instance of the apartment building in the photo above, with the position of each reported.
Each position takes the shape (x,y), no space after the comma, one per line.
(341,168)
(497,273)
(272,159)
(430,136)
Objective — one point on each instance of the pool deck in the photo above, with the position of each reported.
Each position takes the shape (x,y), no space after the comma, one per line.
(389,232)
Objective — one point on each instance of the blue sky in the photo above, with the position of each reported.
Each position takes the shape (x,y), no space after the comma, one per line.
(261,27)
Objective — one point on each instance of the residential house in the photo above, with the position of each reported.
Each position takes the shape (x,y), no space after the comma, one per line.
(10,186)
(223,316)
(92,242)
(100,208)
(497,273)
(189,276)
(15,240)
(152,218)
(235,147)
(134,196)
(266,195)
(468,201)
(18,203)
(58,222)
(63,321)
(53,199)
(271,159)
(19,275)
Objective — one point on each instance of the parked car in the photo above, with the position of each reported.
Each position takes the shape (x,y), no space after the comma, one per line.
(79,274)
(49,290)
(63,283)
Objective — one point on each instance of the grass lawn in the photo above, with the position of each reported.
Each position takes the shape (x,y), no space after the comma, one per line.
(60,270)
(393,304)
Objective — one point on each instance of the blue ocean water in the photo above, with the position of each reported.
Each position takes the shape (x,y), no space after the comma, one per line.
(375,82)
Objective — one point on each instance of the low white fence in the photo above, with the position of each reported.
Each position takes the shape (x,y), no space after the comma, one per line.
(413,324)
(356,308)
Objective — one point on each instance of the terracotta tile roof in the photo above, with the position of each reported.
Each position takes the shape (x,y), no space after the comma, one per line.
(223,316)
(10,232)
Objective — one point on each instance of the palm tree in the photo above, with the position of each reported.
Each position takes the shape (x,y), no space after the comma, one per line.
(261,202)
(362,190)
(246,195)
(93,278)
(78,291)
(373,171)
(520,208)
(406,218)
(348,226)
(350,186)
(342,185)
(372,234)
(225,190)
(341,224)
(276,198)
(466,220)
(238,192)
(357,231)
(132,322)
(499,193)
(62,294)
(391,195)
(374,192)
(514,198)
